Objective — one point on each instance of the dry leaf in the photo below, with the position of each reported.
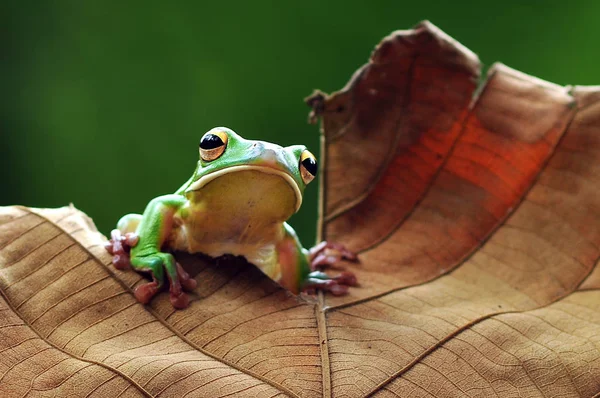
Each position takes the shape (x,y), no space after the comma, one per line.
(477,219)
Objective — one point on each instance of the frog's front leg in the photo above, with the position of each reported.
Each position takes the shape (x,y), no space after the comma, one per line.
(298,266)
(153,230)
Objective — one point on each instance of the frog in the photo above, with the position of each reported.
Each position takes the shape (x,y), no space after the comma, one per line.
(236,203)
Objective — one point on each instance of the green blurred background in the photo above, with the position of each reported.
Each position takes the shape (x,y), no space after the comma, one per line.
(103,103)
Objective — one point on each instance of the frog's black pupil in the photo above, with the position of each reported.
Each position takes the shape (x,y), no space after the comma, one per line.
(211,141)
(310,165)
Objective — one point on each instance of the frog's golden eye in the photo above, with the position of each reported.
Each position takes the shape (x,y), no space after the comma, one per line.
(212,145)
(308,166)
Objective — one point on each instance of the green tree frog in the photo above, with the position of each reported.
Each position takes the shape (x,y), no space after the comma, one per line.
(236,203)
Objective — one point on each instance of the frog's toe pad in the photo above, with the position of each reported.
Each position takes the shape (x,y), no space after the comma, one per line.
(338,285)
(180,301)
(186,281)
(121,261)
(328,254)
(144,293)
(347,278)
(189,284)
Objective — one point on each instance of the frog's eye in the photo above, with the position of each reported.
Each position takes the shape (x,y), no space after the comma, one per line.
(308,166)
(212,145)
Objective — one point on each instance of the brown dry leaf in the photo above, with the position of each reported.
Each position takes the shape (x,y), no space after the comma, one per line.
(477,219)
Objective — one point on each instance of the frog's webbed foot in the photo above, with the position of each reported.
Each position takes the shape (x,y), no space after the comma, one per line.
(119,247)
(337,285)
(157,264)
(328,254)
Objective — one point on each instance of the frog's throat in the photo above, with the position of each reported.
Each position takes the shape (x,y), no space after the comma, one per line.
(198,184)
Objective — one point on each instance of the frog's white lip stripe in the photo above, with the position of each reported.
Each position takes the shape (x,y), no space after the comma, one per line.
(263,169)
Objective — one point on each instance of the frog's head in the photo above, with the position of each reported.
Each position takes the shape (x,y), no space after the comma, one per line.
(233,167)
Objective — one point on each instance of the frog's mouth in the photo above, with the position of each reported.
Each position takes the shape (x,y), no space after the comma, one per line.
(200,183)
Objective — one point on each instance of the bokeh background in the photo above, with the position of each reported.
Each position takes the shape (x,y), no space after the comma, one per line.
(103,103)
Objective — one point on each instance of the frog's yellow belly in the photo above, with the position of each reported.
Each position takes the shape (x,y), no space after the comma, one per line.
(260,253)
(241,213)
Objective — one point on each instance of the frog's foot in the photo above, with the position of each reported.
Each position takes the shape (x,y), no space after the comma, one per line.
(328,254)
(337,285)
(157,264)
(185,282)
(178,298)
(119,247)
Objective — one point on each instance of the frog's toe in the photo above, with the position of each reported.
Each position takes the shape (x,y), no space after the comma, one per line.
(322,261)
(332,286)
(187,282)
(121,261)
(337,285)
(347,278)
(144,293)
(339,248)
(180,301)
(328,254)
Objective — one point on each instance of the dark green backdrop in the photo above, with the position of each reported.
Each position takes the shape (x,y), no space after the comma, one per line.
(103,103)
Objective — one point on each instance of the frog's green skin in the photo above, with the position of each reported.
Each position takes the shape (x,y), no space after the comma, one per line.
(235,204)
